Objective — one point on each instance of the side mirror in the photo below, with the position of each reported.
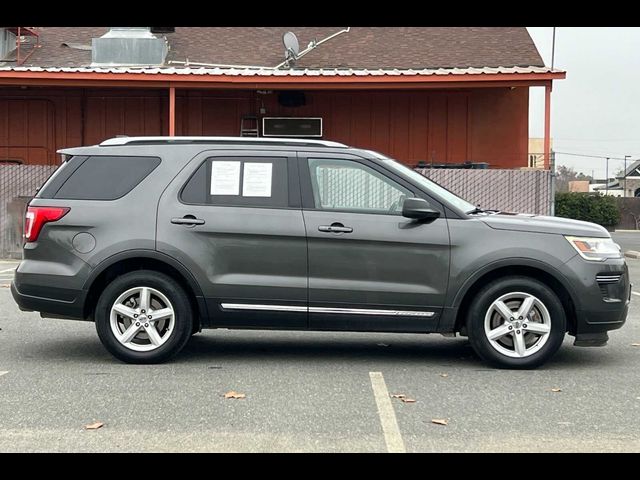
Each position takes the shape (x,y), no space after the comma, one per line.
(418,209)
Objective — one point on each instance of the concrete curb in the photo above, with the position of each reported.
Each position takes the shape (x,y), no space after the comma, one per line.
(626,231)
(632,254)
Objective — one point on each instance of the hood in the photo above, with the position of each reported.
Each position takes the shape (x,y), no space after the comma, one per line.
(542,224)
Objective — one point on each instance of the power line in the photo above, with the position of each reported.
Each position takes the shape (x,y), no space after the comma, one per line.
(610,157)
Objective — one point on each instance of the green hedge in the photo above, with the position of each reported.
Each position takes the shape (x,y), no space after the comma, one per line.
(595,208)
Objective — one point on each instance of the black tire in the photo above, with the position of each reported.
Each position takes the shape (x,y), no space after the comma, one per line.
(183,316)
(492,292)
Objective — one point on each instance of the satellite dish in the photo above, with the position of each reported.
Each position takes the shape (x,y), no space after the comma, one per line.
(291,44)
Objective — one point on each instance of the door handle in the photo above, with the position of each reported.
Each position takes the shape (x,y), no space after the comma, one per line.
(335,228)
(187,220)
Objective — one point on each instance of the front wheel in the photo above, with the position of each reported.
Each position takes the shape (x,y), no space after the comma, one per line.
(144,317)
(516,322)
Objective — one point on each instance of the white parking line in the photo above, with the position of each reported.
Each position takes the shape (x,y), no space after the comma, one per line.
(3,373)
(392,436)
(635,293)
(8,270)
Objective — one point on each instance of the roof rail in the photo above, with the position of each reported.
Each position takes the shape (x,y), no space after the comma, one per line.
(123,140)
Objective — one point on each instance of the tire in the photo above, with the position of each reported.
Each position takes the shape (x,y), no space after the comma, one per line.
(165,299)
(521,343)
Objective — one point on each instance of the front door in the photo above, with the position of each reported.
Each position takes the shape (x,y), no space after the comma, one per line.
(234,220)
(369,267)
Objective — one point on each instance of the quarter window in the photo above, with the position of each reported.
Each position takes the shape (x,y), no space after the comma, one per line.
(345,185)
(105,177)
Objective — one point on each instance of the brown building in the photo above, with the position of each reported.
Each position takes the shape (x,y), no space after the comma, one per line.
(433,95)
(536,152)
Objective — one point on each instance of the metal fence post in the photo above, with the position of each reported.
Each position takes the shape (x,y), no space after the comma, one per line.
(552,190)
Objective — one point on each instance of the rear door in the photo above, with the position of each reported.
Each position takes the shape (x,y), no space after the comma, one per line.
(234,219)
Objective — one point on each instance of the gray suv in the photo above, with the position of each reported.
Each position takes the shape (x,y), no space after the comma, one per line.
(155,238)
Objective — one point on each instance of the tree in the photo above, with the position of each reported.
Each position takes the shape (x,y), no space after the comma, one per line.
(598,208)
(564,175)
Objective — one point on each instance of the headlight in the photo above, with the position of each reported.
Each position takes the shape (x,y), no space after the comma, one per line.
(595,249)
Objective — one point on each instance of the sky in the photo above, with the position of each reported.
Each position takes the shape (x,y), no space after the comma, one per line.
(596,109)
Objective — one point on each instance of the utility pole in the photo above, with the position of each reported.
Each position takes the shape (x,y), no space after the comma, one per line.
(552,160)
(553,48)
(625,175)
(606,185)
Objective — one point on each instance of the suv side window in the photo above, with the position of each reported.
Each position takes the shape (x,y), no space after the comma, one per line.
(349,186)
(239,181)
(105,177)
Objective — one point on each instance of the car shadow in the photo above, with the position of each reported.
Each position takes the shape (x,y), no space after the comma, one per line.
(319,348)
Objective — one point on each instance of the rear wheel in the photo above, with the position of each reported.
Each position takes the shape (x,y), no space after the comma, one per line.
(516,322)
(144,317)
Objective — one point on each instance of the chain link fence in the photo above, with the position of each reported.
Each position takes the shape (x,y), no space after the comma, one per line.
(18,184)
(526,191)
(522,191)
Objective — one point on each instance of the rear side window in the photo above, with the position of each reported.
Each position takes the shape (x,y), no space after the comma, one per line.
(106,177)
(61,175)
(239,181)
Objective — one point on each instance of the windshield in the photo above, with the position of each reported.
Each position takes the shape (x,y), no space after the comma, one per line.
(428,184)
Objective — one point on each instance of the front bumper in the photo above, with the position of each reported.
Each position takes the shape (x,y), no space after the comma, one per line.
(599,306)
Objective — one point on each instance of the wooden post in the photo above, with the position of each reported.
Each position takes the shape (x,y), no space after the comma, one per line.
(547,126)
(172,111)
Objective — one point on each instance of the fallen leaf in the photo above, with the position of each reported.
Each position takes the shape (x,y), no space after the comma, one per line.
(5,286)
(440,421)
(444,375)
(233,394)
(408,400)
(382,345)
(215,367)
(556,390)
(398,395)
(635,344)
(94,426)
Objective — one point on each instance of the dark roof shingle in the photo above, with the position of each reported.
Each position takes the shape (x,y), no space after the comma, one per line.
(362,47)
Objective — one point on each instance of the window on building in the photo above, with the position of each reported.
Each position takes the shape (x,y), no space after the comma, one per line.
(345,185)
(239,181)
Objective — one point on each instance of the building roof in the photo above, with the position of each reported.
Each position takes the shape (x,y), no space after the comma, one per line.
(363,49)
(633,170)
(297,72)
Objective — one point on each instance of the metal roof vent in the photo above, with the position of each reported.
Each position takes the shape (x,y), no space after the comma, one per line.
(122,46)
(7,43)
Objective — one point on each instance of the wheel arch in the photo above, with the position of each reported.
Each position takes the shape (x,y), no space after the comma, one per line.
(546,274)
(132,260)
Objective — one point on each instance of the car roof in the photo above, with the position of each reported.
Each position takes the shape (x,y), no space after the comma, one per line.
(232,142)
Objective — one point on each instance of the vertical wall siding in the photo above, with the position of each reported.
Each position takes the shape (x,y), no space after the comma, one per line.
(481,125)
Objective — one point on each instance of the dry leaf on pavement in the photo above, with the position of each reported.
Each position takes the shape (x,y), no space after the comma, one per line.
(556,390)
(233,394)
(444,375)
(635,344)
(94,426)
(440,421)
(408,400)
(398,395)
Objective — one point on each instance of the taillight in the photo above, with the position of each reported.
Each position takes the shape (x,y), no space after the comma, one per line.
(36,217)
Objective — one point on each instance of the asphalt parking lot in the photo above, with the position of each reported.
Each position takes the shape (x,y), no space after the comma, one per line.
(310,392)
